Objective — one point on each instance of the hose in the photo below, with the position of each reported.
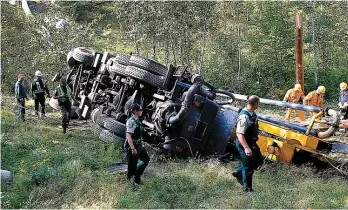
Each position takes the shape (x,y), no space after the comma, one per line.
(334,125)
(188,143)
(185,104)
(225,92)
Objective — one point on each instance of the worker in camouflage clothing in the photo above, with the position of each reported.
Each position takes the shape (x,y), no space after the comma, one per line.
(64,96)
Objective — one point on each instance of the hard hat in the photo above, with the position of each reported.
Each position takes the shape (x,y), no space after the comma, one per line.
(322,89)
(298,87)
(38,74)
(343,85)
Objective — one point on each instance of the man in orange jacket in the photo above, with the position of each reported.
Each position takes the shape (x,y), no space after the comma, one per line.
(293,96)
(315,98)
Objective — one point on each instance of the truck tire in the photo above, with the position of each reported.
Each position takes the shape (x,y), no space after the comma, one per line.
(95,114)
(83,55)
(98,129)
(122,58)
(145,77)
(101,119)
(70,60)
(106,136)
(118,69)
(148,64)
(115,127)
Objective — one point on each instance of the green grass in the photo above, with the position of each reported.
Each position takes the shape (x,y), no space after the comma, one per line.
(52,170)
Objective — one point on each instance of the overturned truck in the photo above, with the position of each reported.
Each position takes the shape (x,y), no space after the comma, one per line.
(183,115)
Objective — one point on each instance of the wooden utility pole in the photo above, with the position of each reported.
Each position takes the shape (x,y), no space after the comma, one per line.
(299,51)
(314,50)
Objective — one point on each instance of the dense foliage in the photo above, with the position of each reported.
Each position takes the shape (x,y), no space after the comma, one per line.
(244,46)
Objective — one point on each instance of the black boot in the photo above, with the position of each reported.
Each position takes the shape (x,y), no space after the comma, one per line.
(64,129)
(238,176)
(137,180)
(249,184)
(248,190)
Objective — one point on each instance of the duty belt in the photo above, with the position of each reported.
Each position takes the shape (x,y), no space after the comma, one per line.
(39,91)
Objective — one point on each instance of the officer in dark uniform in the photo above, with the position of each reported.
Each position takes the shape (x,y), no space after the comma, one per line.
(38,89)
(133,145)
(247,132)
(21,96)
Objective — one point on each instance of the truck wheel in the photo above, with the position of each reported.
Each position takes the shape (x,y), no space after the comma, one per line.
(70,60)
(148,64)
(83,55)
(145,77)
(106,136)
(98,129)
(96,114)
(118,69)
(115,127)
(101,119)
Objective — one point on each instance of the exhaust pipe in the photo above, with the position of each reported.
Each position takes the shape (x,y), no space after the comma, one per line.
(203,92)
(282,104)
(184,107)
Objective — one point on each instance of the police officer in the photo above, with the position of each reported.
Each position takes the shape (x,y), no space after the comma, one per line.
(133,145)
(21,96)
(64,96)
(247,135)
(343,101)
(38,90)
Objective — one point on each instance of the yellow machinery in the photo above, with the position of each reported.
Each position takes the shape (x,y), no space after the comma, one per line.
(285,142)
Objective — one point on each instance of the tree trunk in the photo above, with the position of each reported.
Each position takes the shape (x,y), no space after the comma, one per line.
(173,51)
(135,41)
(280,66)
(166,55)
(182,53)
(239,60)
(187,51)
(201,69)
